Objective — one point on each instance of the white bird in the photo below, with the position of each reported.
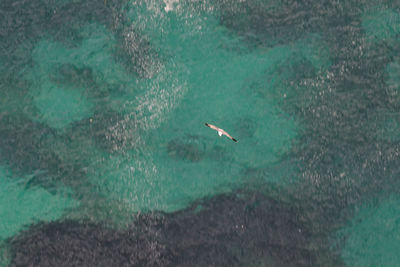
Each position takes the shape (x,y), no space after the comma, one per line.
(221,132)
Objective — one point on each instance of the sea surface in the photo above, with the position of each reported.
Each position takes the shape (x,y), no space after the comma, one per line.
(105,159)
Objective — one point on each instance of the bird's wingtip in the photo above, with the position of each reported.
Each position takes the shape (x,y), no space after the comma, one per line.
(234,139)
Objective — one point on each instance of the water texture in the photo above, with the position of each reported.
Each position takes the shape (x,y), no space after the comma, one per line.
(105,159)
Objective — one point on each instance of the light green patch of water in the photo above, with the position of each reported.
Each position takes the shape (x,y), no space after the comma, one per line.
(179,159)
(373,236)
(155,181)
(381,24)
(61,106)
(21,207)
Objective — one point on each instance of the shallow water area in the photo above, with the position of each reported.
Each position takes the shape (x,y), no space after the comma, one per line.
(102,135)
(22,206)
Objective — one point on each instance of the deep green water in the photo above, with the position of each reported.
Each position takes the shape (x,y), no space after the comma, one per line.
(102,112)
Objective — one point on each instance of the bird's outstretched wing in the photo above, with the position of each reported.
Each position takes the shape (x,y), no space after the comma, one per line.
(229,136)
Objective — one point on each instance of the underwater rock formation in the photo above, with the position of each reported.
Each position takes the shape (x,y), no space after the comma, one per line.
(268,23)
(341,161)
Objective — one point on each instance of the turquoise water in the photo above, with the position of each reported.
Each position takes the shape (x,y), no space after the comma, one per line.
(102,113)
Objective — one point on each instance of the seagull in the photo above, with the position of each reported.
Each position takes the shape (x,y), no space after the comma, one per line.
(221,132)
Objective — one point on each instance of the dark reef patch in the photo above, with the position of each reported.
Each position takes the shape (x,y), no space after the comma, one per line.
(341,160)
(104,12)
(341,120)
(227,230)
(84,244)
(20,20)
(265,23)
(268,23)
(21,143)
(241,229)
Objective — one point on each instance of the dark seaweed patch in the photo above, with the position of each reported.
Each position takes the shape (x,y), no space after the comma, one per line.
(84,244)
(21,20)
(340,158)
(228,230)
(268,23)
(265,22)
(21,143)
(239,230)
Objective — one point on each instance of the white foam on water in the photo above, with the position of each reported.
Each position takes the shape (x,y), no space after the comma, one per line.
(135,175)
(170,5)
(156,104)
(146,112)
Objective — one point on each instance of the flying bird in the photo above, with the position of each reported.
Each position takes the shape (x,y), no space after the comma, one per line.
(221,132)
